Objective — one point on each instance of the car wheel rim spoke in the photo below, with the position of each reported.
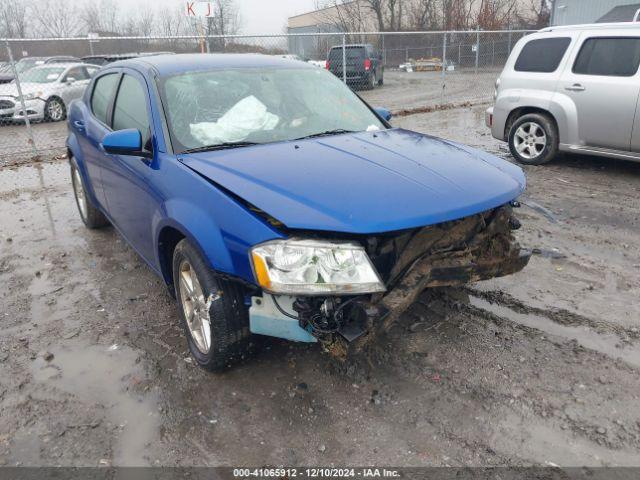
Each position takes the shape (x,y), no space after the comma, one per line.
(194,308)
(530,140)
(78,190)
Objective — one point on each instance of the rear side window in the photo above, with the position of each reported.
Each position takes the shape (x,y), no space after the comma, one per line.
(103,92)
(352,53)
(130,109)
(542,55)
(616,57)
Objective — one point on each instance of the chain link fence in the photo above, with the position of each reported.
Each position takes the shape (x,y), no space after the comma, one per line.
(408,72)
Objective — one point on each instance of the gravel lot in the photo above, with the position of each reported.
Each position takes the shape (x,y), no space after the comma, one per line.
(535,369)
(401,91)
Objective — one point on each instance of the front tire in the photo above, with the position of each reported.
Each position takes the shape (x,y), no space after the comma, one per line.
(214,315)
(55,110)
(533,139)
(90,215)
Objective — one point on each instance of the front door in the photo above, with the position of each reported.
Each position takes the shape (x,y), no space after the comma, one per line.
(126,178)
(92,129)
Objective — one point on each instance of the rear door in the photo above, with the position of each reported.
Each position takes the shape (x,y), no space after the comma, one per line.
(603,84)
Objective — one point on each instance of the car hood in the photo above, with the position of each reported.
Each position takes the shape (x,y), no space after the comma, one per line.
(11,90)
(367,182)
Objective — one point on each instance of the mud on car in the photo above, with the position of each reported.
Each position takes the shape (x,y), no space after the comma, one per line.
(273,201)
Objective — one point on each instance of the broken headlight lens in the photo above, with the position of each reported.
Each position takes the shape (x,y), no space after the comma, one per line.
(310,267)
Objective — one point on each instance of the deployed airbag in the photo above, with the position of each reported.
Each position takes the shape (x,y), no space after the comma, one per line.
(245,117)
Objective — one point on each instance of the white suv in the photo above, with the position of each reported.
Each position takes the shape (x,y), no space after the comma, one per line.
(572,89)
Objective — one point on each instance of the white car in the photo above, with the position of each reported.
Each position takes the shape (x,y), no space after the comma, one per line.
(47,91)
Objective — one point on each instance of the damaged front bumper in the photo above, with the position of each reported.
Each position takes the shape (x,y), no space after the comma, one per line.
(453,254)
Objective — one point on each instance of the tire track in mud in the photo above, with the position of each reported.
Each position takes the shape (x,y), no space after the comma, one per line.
(558,315)
(558,393)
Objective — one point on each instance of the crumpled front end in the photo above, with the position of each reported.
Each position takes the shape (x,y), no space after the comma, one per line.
(478,247)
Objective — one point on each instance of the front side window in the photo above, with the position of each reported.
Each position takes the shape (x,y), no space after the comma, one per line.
(103,92)
(542,55)
(77,74)
(130,110)
(260,106)
(616,57)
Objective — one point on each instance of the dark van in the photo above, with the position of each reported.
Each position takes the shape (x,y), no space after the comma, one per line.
(363,62)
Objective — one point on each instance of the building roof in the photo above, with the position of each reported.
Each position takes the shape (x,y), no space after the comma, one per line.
(621,13)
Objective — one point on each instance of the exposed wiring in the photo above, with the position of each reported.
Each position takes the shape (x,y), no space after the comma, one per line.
(282,310)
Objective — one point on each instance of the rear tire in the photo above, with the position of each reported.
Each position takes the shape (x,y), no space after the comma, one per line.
(214,315)
(372,81)
(533,139)
(90,215)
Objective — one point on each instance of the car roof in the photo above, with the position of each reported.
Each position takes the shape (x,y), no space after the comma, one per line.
(593,26)
(166,65)
(63,65)
(352,45)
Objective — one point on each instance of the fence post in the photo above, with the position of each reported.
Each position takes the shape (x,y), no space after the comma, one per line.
(477,47)
(444,67)
(384,53)
(344,58)
(509,49)
(21,98)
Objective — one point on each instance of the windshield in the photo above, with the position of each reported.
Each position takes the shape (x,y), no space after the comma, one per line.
(24,65)
(260,106)
(42,75)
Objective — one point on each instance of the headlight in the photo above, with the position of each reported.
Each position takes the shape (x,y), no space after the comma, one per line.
(32,96)
(310,267)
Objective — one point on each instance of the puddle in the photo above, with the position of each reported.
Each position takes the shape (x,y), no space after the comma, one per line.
(602,343)
(99,375)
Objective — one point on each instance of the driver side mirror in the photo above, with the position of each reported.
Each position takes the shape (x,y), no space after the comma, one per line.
(125,142)
(384,113)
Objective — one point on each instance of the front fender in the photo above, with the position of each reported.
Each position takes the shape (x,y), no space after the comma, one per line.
(218,225)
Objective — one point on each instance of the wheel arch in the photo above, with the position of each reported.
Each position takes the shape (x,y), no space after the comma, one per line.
(520,111)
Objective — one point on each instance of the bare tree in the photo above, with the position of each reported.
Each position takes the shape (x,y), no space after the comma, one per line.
(13,19)
(344,16)
(495,14)
(422,15)
(536,16)
(53,18)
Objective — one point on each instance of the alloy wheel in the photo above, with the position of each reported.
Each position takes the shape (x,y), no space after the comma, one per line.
(78,190)
(55,110)
(194,306)
(530,140)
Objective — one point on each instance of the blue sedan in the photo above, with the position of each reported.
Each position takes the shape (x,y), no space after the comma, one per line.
(272,200)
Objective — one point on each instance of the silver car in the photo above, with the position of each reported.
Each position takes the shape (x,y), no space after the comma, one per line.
(47,91)
(571,89)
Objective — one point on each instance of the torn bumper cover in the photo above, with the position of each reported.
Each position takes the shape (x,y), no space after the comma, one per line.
(474,248)
(488,251)
(451,254)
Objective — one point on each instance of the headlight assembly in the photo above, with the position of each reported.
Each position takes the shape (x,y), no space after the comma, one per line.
(32,96)
(313,267)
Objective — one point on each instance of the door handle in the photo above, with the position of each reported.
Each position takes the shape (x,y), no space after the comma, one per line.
(79,125)
(576,87)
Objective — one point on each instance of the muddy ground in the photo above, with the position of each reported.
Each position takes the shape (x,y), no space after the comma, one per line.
(539,368)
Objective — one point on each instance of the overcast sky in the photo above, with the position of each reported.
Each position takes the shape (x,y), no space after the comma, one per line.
(258,16)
